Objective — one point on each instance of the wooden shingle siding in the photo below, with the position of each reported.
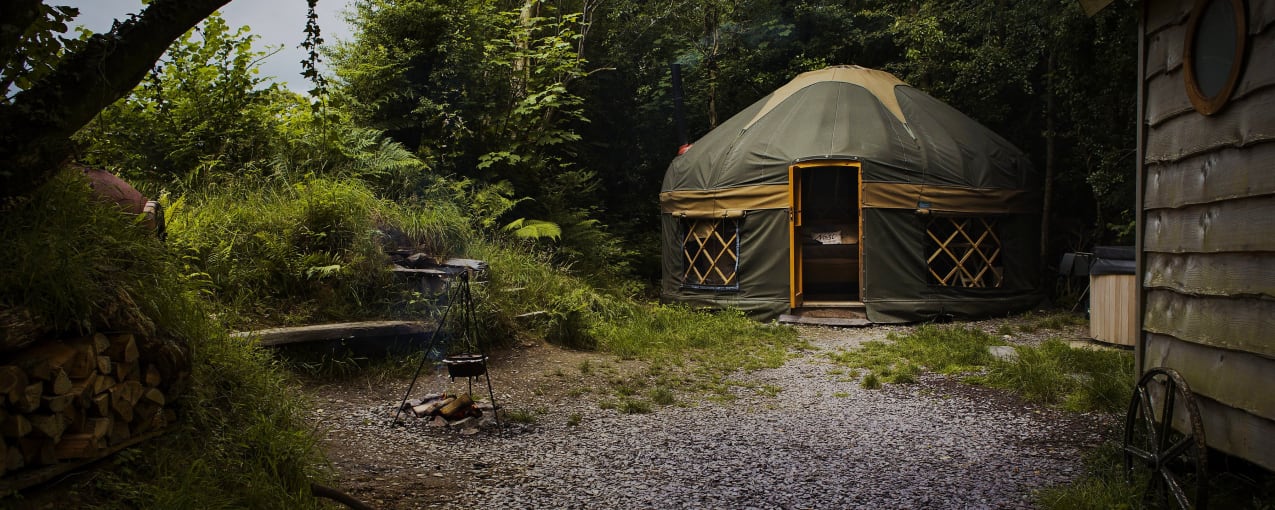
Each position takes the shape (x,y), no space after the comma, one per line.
(1233,225)
(1229,323)
(1162,15)
(1219,274)
(1211,177)
(1236,432)
(1165,37)
(1169,99)
(1222,375)
(1208,232)
(1245,121)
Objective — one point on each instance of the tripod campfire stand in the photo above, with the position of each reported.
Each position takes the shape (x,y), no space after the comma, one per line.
(469,364)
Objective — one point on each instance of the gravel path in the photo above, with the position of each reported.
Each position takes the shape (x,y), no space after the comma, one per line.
(821,442)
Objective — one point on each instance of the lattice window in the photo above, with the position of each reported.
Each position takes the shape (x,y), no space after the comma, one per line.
(710,249)
(963,252)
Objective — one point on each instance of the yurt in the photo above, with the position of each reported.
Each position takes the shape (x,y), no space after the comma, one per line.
(847,188)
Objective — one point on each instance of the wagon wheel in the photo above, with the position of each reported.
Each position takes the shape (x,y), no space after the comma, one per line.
(1175,463)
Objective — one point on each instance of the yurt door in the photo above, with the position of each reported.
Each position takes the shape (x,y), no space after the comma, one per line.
(824,233)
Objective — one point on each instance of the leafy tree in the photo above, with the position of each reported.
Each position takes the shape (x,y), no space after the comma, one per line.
(203,111)
(37,122)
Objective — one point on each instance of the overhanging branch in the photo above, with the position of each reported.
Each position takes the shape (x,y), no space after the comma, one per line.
(35,128)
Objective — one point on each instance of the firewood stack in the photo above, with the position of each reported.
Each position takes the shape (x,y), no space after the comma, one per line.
(75,399)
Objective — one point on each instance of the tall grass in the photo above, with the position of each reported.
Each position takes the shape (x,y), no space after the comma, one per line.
(275,254)
(76,265)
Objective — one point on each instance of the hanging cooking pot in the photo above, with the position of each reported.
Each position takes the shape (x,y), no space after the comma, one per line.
(466,365)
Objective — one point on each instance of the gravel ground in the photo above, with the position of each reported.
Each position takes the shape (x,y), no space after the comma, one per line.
(821,441)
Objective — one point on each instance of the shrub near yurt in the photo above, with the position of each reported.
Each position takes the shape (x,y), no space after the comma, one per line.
(848,188)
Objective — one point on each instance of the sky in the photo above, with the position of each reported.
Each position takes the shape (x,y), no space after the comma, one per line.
(275,22)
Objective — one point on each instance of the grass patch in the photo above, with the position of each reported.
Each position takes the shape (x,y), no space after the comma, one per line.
(574,419)
(840,394)
(870,382)
(663,396)
(1076,379)
(521,416)
(939,349)
(1102,486)
(1052,373)
(634,406)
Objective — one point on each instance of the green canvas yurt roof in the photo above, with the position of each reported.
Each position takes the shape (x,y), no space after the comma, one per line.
(853,113)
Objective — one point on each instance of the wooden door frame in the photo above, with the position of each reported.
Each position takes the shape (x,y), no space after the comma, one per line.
(796,294)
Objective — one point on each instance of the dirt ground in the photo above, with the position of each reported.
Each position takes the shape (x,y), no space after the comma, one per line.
(550,384)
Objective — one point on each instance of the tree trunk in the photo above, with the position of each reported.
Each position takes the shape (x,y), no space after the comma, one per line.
(1050,138)
(36,126)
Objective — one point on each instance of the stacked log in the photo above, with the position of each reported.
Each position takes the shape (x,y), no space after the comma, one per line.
(74,399)
(451,410)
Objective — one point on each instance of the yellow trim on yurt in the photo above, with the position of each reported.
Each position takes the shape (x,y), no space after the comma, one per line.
(899,195)
(795,294)
(724,203)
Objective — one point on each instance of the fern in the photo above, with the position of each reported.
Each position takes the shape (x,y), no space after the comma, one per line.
(534,229)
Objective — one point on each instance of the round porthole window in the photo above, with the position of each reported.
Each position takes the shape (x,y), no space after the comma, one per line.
(1214,52)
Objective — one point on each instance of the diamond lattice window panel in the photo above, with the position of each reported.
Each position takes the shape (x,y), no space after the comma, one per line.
(710,249)
(963,252)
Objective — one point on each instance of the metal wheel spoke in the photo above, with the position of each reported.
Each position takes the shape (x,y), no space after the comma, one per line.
(1148,416)
(1166,422)
(1153,484)
(1175,489)
(1145,456)
(1178,448)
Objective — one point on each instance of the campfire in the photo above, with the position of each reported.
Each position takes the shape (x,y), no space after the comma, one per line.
(457,411)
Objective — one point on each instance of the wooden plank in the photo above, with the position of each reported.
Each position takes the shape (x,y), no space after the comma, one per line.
(823,321)
(1216,274)
(1225,376)
(1261,16)
(1236,432)
(339,331)
(1231,226)
(1244,121)
(1165,13)
(1112,310)
(1211,177)
(1240,324)
(1166,90)
(1164,50)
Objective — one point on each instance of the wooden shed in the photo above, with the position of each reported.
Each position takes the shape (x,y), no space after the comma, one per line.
(1206,228)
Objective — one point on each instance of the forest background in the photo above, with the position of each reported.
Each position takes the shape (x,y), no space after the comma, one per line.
(564,109)
(534,136)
